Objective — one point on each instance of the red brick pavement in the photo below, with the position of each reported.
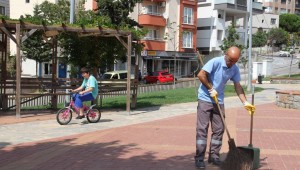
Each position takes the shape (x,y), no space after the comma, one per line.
(161,144)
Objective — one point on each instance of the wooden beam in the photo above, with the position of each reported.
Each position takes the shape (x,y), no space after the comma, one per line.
(128,101)
(8,34)
(122,42)
(28,26)
(28,34)
(18,72)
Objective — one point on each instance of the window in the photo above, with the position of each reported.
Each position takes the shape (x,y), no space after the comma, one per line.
(152,10)
(273,21)
(220,35)
(27,1)
(282,10)
(188,16)
(262,21)
(152,35)
(123,75)
(48,69)
(187,39)
(2,10)
(268,9)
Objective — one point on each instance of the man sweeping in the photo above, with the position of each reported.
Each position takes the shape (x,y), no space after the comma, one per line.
(214,76)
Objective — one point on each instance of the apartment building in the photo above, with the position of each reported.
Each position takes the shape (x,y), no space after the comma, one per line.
(4,10)
(4,7)
(281,6)
(265,22)
(214,17)
(171,39)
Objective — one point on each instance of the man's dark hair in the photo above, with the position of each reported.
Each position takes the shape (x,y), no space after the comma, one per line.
(84,70)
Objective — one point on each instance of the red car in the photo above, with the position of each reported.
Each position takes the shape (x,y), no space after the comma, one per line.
(158,77)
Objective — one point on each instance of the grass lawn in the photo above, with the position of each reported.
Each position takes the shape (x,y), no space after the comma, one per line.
(160,98)
(292,76)
(284,76)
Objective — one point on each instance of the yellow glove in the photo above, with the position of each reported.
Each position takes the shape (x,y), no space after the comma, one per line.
(249,107)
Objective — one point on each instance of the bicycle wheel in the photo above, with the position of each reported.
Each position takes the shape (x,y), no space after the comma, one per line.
(64,116)
(93,115)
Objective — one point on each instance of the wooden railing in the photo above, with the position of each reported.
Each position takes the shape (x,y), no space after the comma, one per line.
(34,89)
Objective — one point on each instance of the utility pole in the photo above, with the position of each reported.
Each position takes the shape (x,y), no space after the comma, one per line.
(249,87)
(174,39)
(72,9)
(171,37)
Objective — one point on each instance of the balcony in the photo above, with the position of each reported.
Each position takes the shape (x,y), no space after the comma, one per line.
(238,6)
(190,2)
(152,19)
(154,44)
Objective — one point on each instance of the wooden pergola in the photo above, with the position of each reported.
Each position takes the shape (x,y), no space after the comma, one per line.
(9,28)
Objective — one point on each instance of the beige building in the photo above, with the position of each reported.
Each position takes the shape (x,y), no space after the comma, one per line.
(264,21)
(282,6)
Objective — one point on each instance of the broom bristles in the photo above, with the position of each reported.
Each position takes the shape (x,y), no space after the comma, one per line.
(237,159)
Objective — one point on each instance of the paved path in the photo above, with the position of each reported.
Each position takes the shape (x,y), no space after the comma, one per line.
(152,138)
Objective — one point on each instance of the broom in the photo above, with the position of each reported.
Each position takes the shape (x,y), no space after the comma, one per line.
(237,158)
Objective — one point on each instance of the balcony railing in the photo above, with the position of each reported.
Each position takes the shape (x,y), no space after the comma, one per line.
(255,5)
(152,38)
(154,45)
(152,13)
(155,20)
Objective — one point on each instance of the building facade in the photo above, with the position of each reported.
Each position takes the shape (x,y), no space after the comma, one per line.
(215,17)
(170,43)
(265,22)
(281,6)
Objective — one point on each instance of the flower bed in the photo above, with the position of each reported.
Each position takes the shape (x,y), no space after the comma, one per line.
(288,99)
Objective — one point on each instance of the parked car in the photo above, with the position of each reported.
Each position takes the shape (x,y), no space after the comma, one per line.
(284,54)
(119,74)
(158,77)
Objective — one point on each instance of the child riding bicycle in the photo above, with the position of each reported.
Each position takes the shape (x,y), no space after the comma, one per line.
(88,91)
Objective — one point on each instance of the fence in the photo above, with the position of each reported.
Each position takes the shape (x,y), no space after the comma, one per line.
(44,100)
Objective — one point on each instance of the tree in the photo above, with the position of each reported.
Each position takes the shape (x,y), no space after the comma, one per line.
(92,50)
(278,36)
(118,11)
(289,22)
(259,39)
(231,38)
(36,48)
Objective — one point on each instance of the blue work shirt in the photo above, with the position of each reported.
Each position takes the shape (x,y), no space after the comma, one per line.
(219,74)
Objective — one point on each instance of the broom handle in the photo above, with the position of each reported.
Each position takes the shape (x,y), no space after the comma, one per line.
(251,122)
(222,117)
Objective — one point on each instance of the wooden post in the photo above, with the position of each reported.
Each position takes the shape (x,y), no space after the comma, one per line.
(128,74)
(135,82)
(54,74)
(18,72)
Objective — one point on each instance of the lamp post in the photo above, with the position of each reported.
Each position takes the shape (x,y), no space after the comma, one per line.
(172,39)
(174,43)
(249,87)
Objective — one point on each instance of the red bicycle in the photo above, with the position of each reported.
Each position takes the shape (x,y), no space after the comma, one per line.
(64,115)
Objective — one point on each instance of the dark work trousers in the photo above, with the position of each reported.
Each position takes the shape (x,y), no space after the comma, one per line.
(208,112)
